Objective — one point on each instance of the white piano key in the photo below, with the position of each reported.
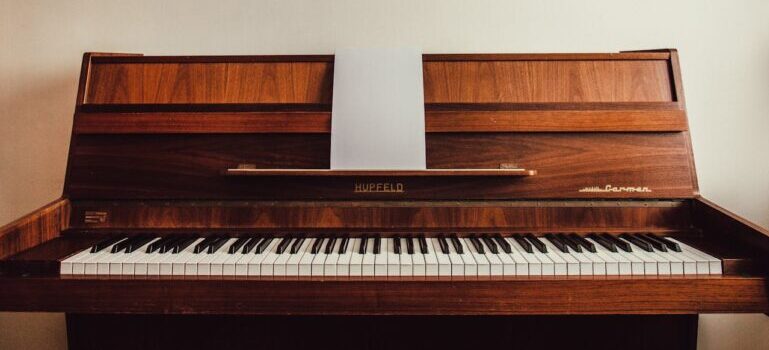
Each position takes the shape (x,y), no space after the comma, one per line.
(319,260)
(714,265)
(217,263)
(253,267)
(419,267)
(469,266)
(508,264)
(406,261)
(204,263)
(368,265)
(649,263)
(343,263)
(457,265)
(476,264)
(329,265)
(663,263)
(599,264)
(279,267)
(305,262)
(611,265)
(381,259)
(267,265)
(444,263)
(522,261)
(548,265)
(292,262)
(563,259)
(431,261)
(636,264)
(393,260)
(179,264)
(65,266)
(675,262)
(585,264)
(237,264)
(356,259)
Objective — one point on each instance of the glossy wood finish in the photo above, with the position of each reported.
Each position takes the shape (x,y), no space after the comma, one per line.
(245,170)
(509,296)
(513,119)
(35,228)
(390,216)
(677,332)
(190,166)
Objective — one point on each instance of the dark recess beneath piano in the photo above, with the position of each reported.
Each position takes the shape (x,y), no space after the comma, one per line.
(560,208)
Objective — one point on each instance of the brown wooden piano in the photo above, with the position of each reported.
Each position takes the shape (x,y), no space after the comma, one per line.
(560,208)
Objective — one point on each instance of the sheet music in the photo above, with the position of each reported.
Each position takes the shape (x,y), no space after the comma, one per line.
(378,117)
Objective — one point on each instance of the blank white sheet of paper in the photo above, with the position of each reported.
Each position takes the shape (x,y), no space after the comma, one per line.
(378,115)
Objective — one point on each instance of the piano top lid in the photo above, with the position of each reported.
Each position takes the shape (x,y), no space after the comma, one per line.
(591,125)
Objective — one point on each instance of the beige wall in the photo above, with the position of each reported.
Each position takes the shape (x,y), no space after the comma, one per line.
(724,49)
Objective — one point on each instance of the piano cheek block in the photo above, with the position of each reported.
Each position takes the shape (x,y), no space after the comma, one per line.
(189,187)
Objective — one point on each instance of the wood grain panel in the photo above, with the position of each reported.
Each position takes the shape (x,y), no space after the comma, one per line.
(435,121)
(35,228)
(509,296)
(190,166)
(424,217)
(547,81)
(173,83)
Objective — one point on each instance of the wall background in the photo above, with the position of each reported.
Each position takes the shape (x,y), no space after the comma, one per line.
(724,49)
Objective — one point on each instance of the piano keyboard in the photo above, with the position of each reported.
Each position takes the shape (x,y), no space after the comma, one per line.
(518,255)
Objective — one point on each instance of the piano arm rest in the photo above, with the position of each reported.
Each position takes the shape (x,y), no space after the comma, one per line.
(34,228)
(719,223)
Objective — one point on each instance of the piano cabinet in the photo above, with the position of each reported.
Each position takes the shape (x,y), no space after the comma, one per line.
(560,189)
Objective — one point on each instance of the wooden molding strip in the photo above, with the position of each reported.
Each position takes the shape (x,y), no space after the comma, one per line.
(247,171)
(613,120)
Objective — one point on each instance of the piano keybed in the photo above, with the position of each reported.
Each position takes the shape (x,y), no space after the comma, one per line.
(636,254)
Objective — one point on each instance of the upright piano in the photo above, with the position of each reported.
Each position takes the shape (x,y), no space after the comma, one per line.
(559,207)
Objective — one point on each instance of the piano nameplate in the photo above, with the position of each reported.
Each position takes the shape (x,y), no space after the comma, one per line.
(379,187)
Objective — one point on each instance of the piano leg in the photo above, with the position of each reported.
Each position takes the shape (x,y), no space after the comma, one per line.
(383,332)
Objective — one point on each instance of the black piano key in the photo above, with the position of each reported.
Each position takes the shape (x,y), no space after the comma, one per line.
(604,242)
(377,244)
(637,242)
(283,245)
(654,243)
(123,245)
(363,245)
(296,246)
(251,244)
(317,246)
(537,243)
(557,242)
(262,246)
(203,245)
(216,245)
(409,245)
(397,244)
(457,244)
(106,243)
(154,246)
(169,245)
(668,243)
(572,244)
(182,244)
(477,244)
(504,244)
(524,243)
(138,243)
(423,245)
(583,242)
(620,243)
(330,245)
(443,244)
(491,245)
(235,246)
(343,245)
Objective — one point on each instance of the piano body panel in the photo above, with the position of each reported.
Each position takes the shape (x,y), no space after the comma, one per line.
(394,296)
(35,228)
(568,165)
